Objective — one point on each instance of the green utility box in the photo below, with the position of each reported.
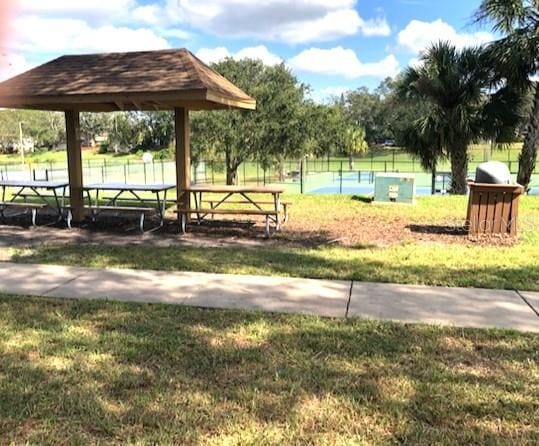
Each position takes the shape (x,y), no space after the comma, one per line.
(394,187)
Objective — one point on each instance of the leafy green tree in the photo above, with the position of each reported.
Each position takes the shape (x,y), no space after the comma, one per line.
(157,129)
(452,83)
(324,134)
(274,131)
(93,125)
(364,108)
(516,58)
(354,143)
(126,132)
(46,128)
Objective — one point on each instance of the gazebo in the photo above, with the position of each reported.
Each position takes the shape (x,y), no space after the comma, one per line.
(149,80)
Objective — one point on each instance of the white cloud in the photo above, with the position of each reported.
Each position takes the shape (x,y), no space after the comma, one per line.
(415,62)
(211,55)
(290,21)
(76,8)
(75,35)
(149,14)
(418,35)
(11,65)
(376,27)
(326,94)
(258,52)
(344,62)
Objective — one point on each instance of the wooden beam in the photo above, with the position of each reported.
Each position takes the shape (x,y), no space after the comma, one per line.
(191,99)
(183,157)
(74,164)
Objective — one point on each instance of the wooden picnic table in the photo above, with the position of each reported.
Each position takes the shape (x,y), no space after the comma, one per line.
(230,194)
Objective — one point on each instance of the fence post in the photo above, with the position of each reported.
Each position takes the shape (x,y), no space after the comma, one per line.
(301,175)
(340,179)
(145,174)
(162,170)
(385,166)
(264,170)
(244,169)
(393,157)
(257,173)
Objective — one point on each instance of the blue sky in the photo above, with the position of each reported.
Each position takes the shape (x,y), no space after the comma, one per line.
(331,45)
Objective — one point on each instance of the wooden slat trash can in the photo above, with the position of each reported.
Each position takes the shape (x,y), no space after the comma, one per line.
(493,208)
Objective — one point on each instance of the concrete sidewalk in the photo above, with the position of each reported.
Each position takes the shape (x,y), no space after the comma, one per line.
(464,307)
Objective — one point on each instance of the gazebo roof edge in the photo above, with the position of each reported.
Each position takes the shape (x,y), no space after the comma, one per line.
(123,81)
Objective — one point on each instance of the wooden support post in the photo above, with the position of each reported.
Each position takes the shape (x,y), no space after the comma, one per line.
(183,157)
(74,164)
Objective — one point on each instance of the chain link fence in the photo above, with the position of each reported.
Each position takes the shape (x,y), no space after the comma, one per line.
(329,175)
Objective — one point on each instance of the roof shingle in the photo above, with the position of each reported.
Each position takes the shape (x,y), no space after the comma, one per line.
(134,80)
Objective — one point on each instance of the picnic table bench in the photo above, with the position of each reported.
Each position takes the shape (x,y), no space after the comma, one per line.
(284,204)
(256,206)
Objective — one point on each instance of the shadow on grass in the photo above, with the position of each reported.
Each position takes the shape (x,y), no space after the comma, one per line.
(363,198)
(111,372)
(458,231)
(310,263)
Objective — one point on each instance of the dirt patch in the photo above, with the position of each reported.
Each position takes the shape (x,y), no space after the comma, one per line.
(300,231)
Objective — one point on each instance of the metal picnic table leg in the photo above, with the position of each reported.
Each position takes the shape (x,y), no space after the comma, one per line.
(58,205)
(162,206)
(277,200)
(197,206)
(2,208)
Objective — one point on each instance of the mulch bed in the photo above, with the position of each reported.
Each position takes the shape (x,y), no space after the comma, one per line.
(359,230)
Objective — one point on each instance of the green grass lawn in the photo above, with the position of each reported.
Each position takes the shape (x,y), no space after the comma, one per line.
(392,253)
(89,372)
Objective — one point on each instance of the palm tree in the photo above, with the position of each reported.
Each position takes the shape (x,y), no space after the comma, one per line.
(516,57)
(452,83)
(354,143)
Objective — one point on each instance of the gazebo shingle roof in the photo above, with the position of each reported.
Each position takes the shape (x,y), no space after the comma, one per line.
(123,81)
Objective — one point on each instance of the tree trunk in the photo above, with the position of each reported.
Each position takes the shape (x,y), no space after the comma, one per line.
(528,156)
(282,173)
(433,180)
(231,169)
(351,161)
(231,176)
(459,169)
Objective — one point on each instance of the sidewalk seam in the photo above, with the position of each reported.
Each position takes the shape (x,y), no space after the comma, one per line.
(527,303)
(45,294)
(349,299)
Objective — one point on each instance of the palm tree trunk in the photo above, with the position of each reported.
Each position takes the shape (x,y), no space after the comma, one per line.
(459,169)
(528,156)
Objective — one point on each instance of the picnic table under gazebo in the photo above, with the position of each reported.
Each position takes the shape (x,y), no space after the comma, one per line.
(148,80)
